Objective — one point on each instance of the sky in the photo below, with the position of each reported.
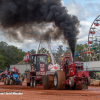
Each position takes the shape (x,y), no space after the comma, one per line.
(85,10)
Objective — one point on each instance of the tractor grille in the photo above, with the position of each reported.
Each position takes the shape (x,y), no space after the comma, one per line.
(78,69)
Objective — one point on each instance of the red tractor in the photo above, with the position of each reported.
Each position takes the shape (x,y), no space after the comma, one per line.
(39,67)
(75,77)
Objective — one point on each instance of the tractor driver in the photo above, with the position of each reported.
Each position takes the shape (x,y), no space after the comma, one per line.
(66,66)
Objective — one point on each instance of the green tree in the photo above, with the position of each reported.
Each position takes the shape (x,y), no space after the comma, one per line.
(9,55)
(79,47)
(43,50)
(32,51)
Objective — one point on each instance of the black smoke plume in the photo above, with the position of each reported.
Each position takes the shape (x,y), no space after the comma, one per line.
(33,18)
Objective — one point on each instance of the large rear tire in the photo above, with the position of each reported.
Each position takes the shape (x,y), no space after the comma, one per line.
(45,82)
(59,78)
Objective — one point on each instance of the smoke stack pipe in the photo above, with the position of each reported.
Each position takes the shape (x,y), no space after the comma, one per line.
(73,59)
(72,56)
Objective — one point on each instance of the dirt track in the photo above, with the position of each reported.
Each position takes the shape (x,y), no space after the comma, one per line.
(93,93)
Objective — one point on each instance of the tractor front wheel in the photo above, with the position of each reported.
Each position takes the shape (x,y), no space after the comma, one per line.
(34,83)
(59,78)
(31,84)
(71,81)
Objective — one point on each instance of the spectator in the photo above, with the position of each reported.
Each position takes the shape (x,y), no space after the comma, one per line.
(94,75)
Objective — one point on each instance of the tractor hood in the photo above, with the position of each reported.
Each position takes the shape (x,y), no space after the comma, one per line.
(15,75)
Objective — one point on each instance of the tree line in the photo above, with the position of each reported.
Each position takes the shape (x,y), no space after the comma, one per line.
(10,54)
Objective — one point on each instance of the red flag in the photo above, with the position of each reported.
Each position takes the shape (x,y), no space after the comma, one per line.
(4,72)
(26,58)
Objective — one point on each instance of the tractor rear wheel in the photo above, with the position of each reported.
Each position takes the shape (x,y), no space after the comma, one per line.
(59,78)
(11,82)
(45,82)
